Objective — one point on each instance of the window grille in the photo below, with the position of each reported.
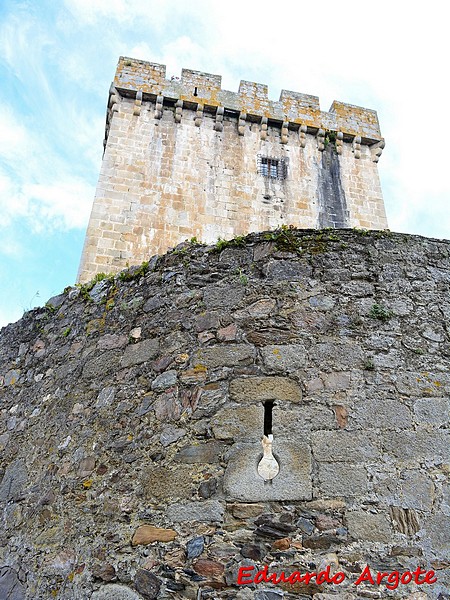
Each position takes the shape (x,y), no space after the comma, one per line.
(273,168)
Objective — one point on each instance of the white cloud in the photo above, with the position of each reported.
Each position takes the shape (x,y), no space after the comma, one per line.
(89,12)
(36,184)
(13,135)
(65,204)
(60,205)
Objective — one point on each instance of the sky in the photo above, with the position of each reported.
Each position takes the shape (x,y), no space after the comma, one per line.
(58,58)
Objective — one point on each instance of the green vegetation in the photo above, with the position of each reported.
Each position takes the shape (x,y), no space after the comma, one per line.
(134,272)
(242,277)
(287,240)
(363,232)
(369,365)
(380,312)
(375,233)
(330,138)
(85,288)
(222,244)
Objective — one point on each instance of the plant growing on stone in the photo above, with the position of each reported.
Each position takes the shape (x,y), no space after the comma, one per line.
(369,365)
(195,242)
(287,240)
(330,138)
(380,312)
(363,232)
(221,244)
(134,272)
(85,288)
(242,277)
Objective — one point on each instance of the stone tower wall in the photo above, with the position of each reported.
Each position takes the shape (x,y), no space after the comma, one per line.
(183,159)
(132,414)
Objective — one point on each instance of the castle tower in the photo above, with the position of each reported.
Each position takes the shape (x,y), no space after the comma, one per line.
(184,158)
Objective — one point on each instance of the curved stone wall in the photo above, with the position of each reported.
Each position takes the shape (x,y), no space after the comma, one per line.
(133,413)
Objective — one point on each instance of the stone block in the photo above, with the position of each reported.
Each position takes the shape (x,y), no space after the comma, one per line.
(433,411)
(171,434)
(300,420)
(259,389)
(437,530)
(147,584)
(229,355)
(369,527)
(164,381)
(110,341)
(14,481)
(239,423)
(228,333)
(224,296)
(56,301)
(141,352)
(404,520)
(341,596)
(242,482)
(322,302)
(209,320)
(10,586)
(146,534)
(268,595)
(389,414)
(102,365)
(159,483)
(154,303)
(416,447)
(344,446)
(287,270)
(105,397)
(342,479)
(167,406)
(114,591)
(415,490)
(246,511)
(339,355)
(336,381)
(203,512)
(286,359)
(260,309)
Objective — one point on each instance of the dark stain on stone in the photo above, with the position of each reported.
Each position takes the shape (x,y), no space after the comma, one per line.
(332,203)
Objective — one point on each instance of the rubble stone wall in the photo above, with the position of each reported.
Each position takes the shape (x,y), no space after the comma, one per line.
(132,413)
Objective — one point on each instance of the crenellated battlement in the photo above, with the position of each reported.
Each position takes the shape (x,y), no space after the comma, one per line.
(147,81)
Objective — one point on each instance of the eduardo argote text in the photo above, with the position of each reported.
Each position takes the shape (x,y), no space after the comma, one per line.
(391,580)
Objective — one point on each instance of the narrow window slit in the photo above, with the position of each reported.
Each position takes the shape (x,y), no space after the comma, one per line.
(268,466)
(268,407)
(195,91)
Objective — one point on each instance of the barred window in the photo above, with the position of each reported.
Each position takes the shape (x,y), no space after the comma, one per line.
(274,168)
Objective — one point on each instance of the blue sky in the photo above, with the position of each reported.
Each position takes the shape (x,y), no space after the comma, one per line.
(57,60)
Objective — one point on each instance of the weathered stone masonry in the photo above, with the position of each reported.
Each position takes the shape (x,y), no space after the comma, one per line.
(133,411)
(184,158)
